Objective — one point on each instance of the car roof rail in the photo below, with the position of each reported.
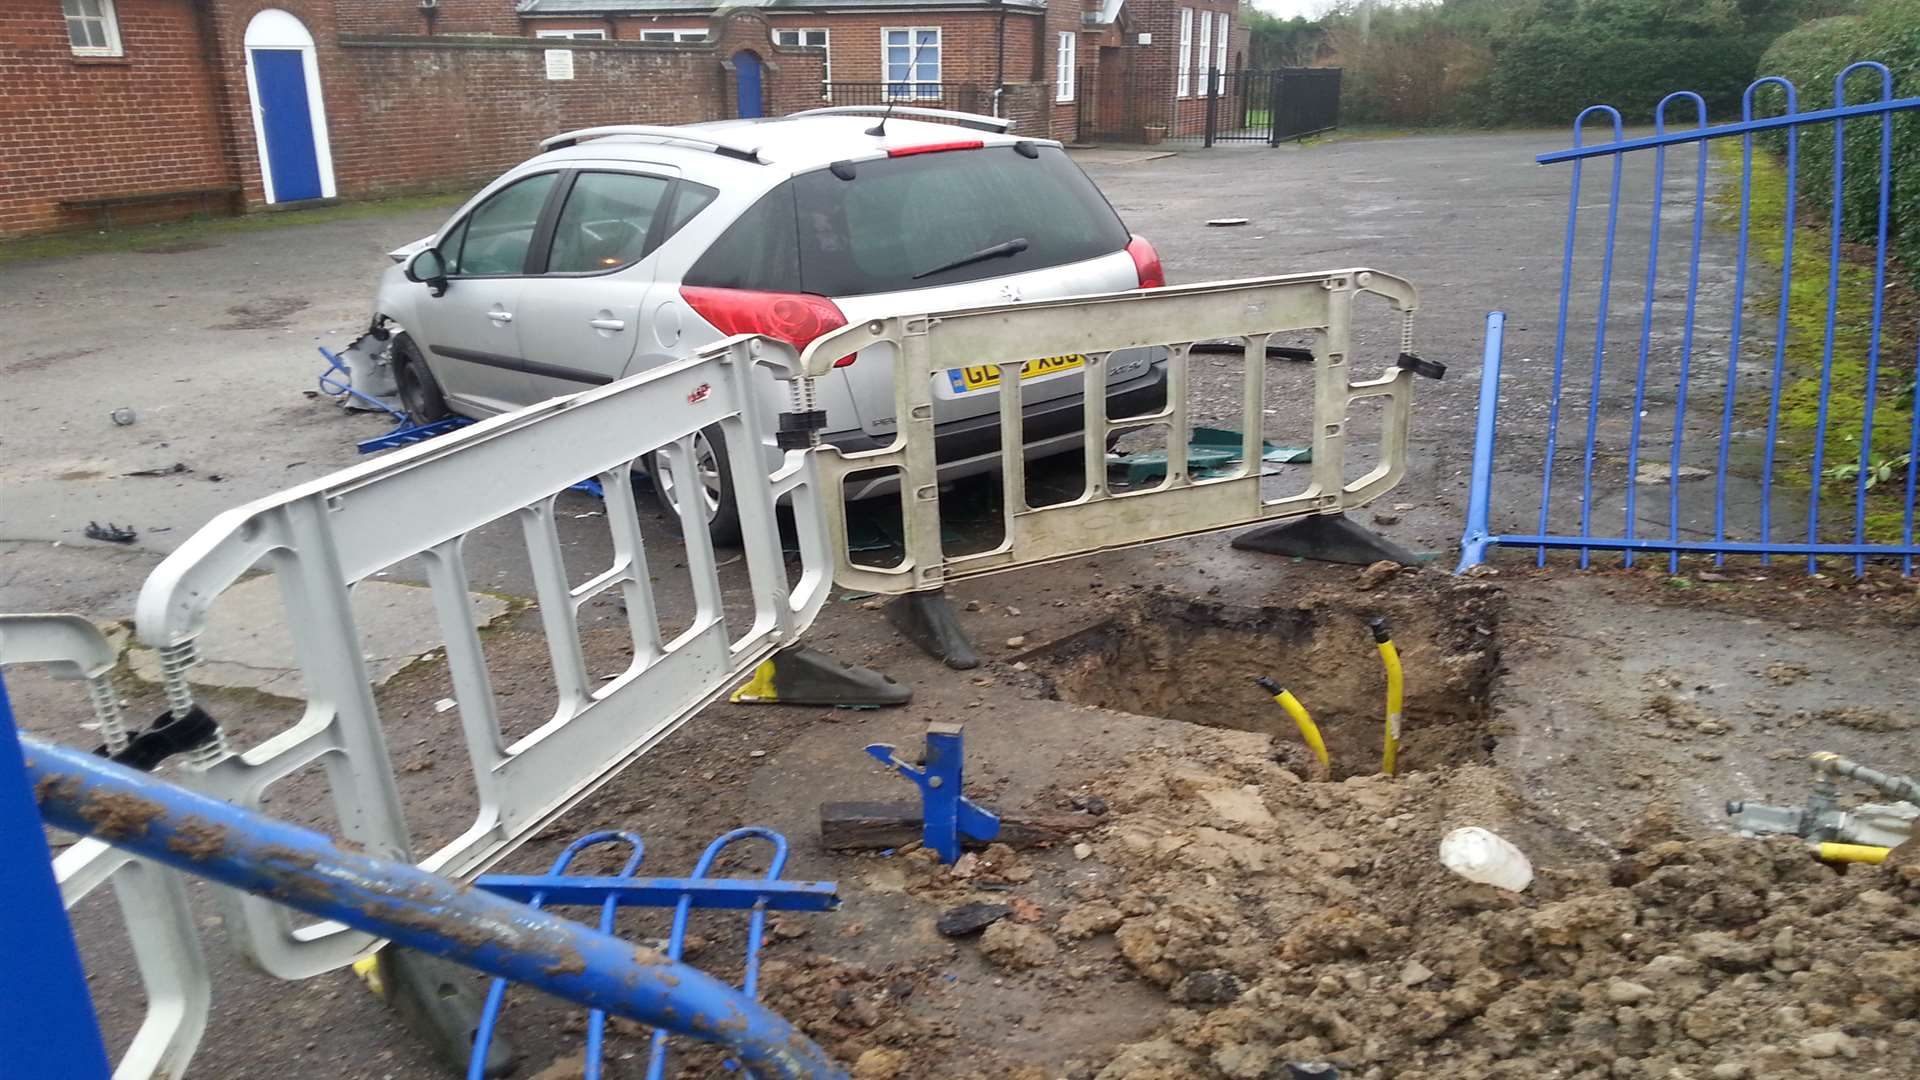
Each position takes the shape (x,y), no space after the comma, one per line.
(725,147)
(978,121)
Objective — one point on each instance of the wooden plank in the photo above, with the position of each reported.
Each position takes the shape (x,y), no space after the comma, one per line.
(876,826)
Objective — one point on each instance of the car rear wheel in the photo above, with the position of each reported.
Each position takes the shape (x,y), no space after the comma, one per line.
(711,484)
(419,391)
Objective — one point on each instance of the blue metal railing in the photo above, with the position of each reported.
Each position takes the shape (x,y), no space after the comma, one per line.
(558,886)
(474,927)
(51,1029)
(1561,530)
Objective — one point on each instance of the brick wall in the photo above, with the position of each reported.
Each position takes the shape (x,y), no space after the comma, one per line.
(413,113)
(1029,106)
(73,127)
(409,114)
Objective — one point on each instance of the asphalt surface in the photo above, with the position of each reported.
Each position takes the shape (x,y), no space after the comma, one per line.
(213,349)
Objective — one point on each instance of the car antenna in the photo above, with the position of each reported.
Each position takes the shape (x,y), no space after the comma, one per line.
(879,130)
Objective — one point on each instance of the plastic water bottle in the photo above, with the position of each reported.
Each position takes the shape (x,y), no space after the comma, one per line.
(1478,855)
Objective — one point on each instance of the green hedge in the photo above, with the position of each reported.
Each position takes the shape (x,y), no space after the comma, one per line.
(1810,57)
(1547,74)
(1542,61)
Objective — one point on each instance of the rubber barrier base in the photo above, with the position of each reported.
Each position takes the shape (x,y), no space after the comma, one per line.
(927,619)
(440,1002)
(798,675)
(1326,537)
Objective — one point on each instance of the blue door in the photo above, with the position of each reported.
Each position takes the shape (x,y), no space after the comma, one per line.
(746,80)
(286,117)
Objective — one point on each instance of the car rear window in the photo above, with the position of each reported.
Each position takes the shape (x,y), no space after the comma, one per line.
(901,217)
(757,251)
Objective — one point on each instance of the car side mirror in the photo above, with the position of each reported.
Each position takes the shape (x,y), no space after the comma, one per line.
(426,267)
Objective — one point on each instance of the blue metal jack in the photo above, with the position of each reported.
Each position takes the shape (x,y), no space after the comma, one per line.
(947,814)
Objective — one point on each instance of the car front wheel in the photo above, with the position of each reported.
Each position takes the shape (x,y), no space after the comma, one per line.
(419,391)
(711,485)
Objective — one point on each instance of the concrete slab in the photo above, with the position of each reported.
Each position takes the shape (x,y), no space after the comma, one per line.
(248,645)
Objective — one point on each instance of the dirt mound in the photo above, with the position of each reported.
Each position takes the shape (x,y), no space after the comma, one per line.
(1291,921)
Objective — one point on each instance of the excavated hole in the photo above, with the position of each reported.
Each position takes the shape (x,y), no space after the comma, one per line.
(1195,660)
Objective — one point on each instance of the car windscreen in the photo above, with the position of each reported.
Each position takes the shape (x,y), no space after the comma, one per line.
(898,221)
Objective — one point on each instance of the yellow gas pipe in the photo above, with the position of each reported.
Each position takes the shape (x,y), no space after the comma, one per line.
(1301,720)
(1390,656)
(1862,853)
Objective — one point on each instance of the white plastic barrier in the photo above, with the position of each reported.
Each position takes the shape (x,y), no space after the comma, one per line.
(321,538)
(152,898)
(929,345)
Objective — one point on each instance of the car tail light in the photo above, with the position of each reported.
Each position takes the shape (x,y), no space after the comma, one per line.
(934,148)
(1146,262)
(795,318)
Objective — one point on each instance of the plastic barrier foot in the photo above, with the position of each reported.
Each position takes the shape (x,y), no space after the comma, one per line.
(798,675)
(1326,537)
(438,1000)
(927,619)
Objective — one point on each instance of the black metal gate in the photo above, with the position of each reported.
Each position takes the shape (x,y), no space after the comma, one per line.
(1262,106)
(1306,102)
(1119,103)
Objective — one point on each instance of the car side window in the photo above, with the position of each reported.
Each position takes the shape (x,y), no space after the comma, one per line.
(688,201)
(495,238)
(605,222)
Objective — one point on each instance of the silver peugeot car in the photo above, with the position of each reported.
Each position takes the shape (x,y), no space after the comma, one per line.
(621,248)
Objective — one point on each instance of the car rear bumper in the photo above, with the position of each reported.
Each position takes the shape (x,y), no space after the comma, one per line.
(971,446)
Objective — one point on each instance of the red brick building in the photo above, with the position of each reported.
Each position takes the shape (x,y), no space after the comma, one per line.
(1037,61)
(129,110)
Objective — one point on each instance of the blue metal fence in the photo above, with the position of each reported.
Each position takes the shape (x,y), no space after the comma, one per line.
(1740,445)
(479,928)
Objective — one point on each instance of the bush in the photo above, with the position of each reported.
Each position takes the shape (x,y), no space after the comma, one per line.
(1810,57)
(1427,75)
(1548,73)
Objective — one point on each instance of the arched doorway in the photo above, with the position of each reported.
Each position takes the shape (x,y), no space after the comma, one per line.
(289,116)
(747,85)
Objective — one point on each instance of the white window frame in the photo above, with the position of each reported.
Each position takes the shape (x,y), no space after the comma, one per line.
(573,35)
(1206,51)
(660,36)
(800,34)
(1220,53)
(109,22)
(1064,60)
(914,59)
(1184,86)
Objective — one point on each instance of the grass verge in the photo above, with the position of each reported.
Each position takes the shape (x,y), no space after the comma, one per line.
(194,232)
(1807,337)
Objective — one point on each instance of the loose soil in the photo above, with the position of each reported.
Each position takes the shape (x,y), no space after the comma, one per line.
(1230,916)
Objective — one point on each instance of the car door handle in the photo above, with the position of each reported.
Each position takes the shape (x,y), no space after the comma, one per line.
(500,316)
(607,324)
